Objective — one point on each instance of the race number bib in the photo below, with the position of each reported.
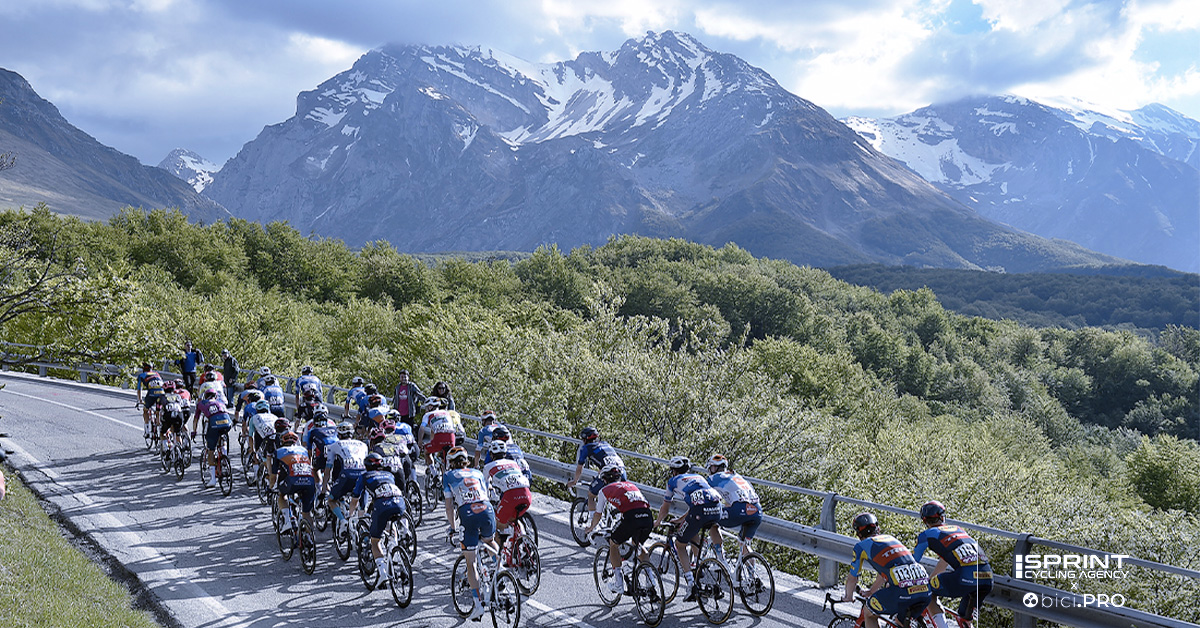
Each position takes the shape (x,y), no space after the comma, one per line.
(301,469)
(703,496)
(909,575)
(967,554)
(386,490)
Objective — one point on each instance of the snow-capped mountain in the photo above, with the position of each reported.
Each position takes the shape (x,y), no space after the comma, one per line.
(458,148)
(190,167)
(1119,182)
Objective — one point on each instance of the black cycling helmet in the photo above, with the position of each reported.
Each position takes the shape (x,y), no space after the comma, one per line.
(282,425)
(589,434)
(357,381)
(371,389)
(373,461)
(865,524)
(374,401)
(501,433)
(933,513)
(306,370)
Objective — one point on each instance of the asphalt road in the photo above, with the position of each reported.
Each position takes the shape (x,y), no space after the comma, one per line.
(212,561)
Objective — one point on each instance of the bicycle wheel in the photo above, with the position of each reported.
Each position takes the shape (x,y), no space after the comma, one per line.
(528,526)
(180,462)
(263,486)
(603,573)
(308,547)
(186,441)
(756,584)
(528,565)
(416,505)
(342,541)
(321,513)
(715,591)
(400,576)
(433,488)
(224,474)
(249,468)
(366,562)
(460,587)
(843,622)
(663,558)
(647,593)
(164,461)
(506,601)
(286,540)
(580,518)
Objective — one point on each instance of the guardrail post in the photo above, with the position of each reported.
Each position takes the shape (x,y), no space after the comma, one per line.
(1021,620)
(827,569)
(42,371)
(83,375)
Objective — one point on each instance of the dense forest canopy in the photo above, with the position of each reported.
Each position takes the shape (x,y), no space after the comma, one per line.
(670,347)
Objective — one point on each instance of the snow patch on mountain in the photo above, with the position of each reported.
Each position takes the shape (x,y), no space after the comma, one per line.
(190,167)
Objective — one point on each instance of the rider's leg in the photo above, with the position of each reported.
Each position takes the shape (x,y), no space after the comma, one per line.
(935,611)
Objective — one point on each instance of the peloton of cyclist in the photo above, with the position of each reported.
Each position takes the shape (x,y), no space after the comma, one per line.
(212,406)
(962,571)
(704,509)
(466,489)
(742,509)
(153,383)
(596,453)
(902,586)
(511,487)
(347,455)
(636,519)
(387,501)
(294,472)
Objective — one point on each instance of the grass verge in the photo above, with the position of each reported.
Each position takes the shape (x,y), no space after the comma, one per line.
(45,581)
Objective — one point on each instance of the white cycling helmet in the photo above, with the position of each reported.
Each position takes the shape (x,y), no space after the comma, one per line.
(680,463)
(498,447)
(717,461)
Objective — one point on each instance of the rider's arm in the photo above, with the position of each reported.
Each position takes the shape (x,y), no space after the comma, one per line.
(663,511)
(941,567)
(922,545)
(450,512)
(852,579)
(196,418)
(575,480)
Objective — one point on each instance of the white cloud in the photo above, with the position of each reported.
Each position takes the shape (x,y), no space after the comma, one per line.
(1020,15)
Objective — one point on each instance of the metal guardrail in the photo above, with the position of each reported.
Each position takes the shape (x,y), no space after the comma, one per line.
(831,548)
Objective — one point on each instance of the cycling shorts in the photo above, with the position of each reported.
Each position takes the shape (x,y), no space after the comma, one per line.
(597,483)
(744,515)
(892,600)
(212,437)
(172,421)
(149,400)
(635,525)
(318,457)
(478,521)
(307,493)
(405,472)
(698,518)
(440,442)
(382,512)
(962,584)
(344,483)
(513,503)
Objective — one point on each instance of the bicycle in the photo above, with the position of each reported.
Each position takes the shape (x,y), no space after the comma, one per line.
(398,544)
(223,467)
(433,480)
(499,591)
(714,586)
(753,578)
(520,555)
(848,620)
(177,455)
(643,583)
(581,518)
(300,535)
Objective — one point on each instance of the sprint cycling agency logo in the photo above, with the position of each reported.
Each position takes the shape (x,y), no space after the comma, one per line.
(1073,568)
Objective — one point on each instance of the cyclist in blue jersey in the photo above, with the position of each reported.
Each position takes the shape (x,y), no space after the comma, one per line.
(387,501)
(742,509)
(513,450)
(263,374)
(488,423)
(704,509)
(347,458)
(596,453)
(317,438)
(399,443)
(962,571)
(466,492)
(352,395)
(152,382)
(273,393)
(212,406)
(902,586)
(308,381)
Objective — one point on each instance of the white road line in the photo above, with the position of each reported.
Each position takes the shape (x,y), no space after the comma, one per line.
(58,403)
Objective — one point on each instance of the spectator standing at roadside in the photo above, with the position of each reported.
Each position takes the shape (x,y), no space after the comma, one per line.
(230,370)
(442,389)
(407,400)
(188,363)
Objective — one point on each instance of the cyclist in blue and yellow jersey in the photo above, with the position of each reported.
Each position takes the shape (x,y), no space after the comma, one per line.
(152,382)
(467,490)
(399,442)
(704,509)
(212,406)
(308,381)
(293,470)
(596,453)
(273,393)
(742,509)
(387,501)
(902,586)
(962,571)
(347,458)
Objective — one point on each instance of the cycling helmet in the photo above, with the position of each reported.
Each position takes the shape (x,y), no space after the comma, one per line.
(501,433)
(320,412)
(611,472)
(254,396)
(393,415)
(211,393)
(289,438)
(457,453)
(179,383)
(377,434)
(373,461)
(262,406)
(168,386)
(865,524)
(432,403)
(282,425)
(498,448)
(589,434)
(264,371)
(345,430)
(375,401)
(388,426)
(717,461)
(933,513)
(488,417)
(306,370)
(357,381)
(680,463)
(208,367)
(371,389)
(269,380)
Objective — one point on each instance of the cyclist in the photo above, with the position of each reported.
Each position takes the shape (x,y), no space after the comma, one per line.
(636,519)
(273,393)
(704,509)
(294,472)
(307,407)
(502,434)
(317,439)
(212,406)
(742,509)
(377,409)
(398,439)
(207,383)
(184,394)
(348,455)
(902,585)
(153,383)
(210,374)
(489,423)
(249,402)
(271,444)
(262,424)
(467,489)
(442,426)
(352,395)
(962,570)
(599,454)
(243,398)
(263,374)
(387,502)
(510,485)
(395,457)
(173,412)
(363,401)
(307,381)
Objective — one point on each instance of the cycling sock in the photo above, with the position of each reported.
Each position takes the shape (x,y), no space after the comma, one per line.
(287,519)
(687,575)
(381,566)
(337,511)
(939,620)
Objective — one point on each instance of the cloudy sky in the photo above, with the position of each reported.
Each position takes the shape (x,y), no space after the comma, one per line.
(146,76)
